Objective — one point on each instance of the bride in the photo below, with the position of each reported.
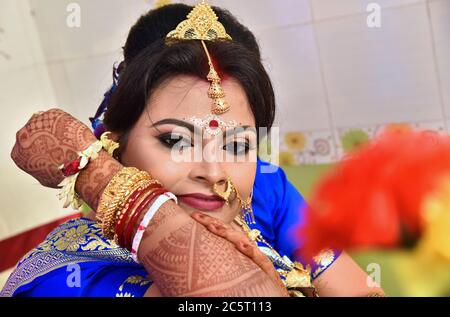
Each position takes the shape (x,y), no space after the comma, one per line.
(214,226)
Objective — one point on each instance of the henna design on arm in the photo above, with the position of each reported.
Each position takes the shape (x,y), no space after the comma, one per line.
(93,179)
(190,261)
(52,138)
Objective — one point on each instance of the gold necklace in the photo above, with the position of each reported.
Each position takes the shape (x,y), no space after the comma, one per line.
(297,278)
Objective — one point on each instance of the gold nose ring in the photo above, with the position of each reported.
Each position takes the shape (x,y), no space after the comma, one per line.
(225,195)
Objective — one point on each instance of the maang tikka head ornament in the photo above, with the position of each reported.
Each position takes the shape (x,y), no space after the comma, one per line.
(202,24)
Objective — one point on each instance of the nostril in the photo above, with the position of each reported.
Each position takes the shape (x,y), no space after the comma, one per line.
(220,182)
(202,178)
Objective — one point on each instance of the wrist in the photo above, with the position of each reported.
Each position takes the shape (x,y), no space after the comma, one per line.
(169,217)
(93,179)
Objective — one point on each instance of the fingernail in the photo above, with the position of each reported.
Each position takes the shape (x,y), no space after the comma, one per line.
(244,245)
(219,228)
(199,215)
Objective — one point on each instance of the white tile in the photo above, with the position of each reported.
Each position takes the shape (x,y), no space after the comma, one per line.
(19,42)
(291,57)
(318,148)
(61,88)
(24,92)
(380,75)
(38,204)
(80,84)
(358,134)
(324,9)
(266,14)
(104,26)
(436,126)
(440,19)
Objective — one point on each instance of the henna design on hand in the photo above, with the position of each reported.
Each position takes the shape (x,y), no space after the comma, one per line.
(47,140)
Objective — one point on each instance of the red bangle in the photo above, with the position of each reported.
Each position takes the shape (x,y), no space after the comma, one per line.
(135,217)
(122,218)
(137,213)
(134,197)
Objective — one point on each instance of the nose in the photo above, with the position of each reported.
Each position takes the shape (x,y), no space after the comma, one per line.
(208,173)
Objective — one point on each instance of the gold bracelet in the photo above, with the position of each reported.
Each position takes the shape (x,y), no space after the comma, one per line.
(106,208)
(112,204)
(115,195)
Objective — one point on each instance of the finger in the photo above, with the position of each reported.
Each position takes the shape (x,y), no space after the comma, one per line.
(248,248)
(263,263)
(228,233)
(261,260)
(241,241)
(207,220)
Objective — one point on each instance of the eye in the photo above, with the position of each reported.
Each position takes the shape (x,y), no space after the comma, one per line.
(170,140)
(237,148)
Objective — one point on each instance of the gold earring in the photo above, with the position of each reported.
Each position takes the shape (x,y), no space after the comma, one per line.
(247,214)
(109,145)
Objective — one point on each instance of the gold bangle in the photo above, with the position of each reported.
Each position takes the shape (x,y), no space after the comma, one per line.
(115,195)
(108,213)
(115,200)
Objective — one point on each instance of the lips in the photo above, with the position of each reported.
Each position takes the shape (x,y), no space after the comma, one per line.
(202,202)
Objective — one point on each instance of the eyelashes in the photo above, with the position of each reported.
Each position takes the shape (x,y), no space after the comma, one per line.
(170,140)
(237,148)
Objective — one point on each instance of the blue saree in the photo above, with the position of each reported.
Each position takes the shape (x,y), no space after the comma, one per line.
(77,260)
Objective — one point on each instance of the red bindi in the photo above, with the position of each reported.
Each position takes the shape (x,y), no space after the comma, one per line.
(213,124)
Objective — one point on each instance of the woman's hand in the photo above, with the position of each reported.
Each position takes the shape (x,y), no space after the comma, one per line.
(49,139)
(240,240)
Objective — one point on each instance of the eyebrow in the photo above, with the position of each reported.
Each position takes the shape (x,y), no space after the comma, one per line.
(191,127)
(177,122)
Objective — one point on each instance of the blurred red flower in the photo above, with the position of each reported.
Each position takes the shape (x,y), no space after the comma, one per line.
(373,197)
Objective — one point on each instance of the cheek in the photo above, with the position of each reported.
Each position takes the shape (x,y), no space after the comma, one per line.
(243,176)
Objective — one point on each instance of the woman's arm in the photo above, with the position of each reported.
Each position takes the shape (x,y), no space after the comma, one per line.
(345,278)
(185,259)
(182,256)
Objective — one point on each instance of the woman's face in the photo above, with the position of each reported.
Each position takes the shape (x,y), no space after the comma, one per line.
(185,158)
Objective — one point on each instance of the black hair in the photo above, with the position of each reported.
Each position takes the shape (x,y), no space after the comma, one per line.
(149,61)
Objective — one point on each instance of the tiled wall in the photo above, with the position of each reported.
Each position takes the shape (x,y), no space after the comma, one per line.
(340,82)
(337,81)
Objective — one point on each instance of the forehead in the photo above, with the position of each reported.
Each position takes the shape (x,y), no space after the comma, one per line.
(186,96)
